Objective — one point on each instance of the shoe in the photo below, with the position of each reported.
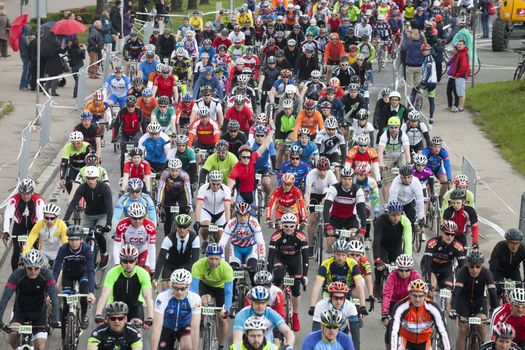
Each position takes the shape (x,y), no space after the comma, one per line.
(54,94)
(310,252)
(454,109)
(431,120)
(84,322)
(296,325)
(460,110)
(104,259)
(423,237)
(23,89)
(103,143)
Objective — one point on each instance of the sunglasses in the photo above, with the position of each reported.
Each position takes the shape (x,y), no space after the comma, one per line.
(180,289)
(50,219)
(289,226)
(295,158)
(331,326)
(246,157)
(127,261)
(338,298)
(403,270)
(117,318)
(206,95)
(260,135)
(136,191)
(449,234)
(474,266)
(184,227)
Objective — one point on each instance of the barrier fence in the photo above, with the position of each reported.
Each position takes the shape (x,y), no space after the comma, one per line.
(468,169)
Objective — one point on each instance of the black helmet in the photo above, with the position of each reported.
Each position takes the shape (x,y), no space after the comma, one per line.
(513,234)
(406,170)
(74,232)
(475,257)
(131,100)
(458,194)
(117,308)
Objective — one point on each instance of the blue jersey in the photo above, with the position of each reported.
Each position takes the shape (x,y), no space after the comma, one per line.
(211,51)
(299,171)
(315,341)
(75,263)
(146,69)
(117,87)
(272,318)
(263,162)
(121,208)
(309,151)
(177,313)
(154,149)
(436,161)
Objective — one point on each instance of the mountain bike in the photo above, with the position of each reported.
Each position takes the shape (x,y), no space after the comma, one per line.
(473,339)
(26,334)
(72,321)
(209,327)
(520,69)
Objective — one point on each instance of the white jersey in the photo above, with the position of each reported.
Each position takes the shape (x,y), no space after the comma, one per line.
(415,135)
(214,200)
(143,238)
(348,309)
(405,194)
(214,106)
(318,185)
(367,129)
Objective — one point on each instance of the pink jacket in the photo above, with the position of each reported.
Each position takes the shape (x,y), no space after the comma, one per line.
(395,289)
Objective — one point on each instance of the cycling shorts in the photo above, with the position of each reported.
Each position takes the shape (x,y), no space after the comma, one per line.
(216,293)
(120,101)
(239,255)
(465,310)
(136,311)
(406,345)
(439,172)
(315,199)
(333,158)
(168,336)
(444,275)
(343,224)
(218,219)
(35,318)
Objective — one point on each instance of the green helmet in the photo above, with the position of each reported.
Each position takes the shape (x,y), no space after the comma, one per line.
(183,220)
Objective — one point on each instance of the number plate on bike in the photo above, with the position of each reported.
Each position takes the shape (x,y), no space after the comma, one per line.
(445,293)
(238,275)
(510,285)
(72,299)
(319,208)
(129,146)
(395,171)
(258,177)
(213,228)
(355,301)
(21,238)
(288,281)
(209,311)
(85,230)
(391,268)
(344,233)
(174,209)
(474,320)
(25,329)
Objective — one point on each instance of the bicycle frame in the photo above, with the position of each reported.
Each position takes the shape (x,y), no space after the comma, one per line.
(209,324)
(72,325)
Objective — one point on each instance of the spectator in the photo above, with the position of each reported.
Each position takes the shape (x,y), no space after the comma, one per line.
(411,46)
(4,30)
(452,95)
(461,72)
(485,16)
(114,17)
(25,56)
(51,51)
(128,23)
(109,33)
(95,45)
(77,55)
(33,68)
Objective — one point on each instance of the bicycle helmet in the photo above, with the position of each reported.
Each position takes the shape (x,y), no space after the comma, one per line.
(222,146)
(475,257)
(135,184)
(135,152)
(271,60)
(128,252)
(242,208)
(92,172)
(181,139)
(356,246)
(52,209)
(285,73)
(462,21)
(26,186)
(315,74)
(180,52)
(414,116)
(437,141)
(288,179)
(76,136)
(259,293)
(361,56)
(188,97)
(461,180)
(331,123)
(183,220)
(504,331)
(353,87)
(136,81)
(323,163)
(117,70)
(136,210)
(254,323)
(260,130)
(163,101)
(263,278)
(166,69)
(385,92)
(405,261)
(147,92)
(289,217)
(215,176)
(131,100)
(341,245)
(204,112)
(394,121)
(334,82)
(175,163)
(233,125)
(331,317)
(420,160)
(354,79)
(309,104)
(98,95)
(394,94)
(181,276)
(363,140)
(117,308)
(214,249)
(338,287)
(290,89)
(86,115)
(347,172)
(418,286)
(517,296)
(91,159)
(154,128)
(206,90)
(513,234)
(406,170)
(33,258)
(74,232)
(448,226)
(288,103)
(394,207)
(207,56)
(363,169)
(158,69)
(457,194)
(296,150)
(325,104)
(245,148)
(239,100)
(380,17)
(303,131)
(362,114)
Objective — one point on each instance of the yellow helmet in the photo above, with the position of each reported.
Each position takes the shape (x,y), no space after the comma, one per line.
(418,286)
(394,121)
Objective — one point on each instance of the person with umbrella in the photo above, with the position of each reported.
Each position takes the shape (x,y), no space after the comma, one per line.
(25,56)
(51,51)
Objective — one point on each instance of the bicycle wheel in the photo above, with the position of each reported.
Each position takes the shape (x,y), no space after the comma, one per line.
(69,341)
(260,204)
(437,210)
(320,246)
(206,336)
(473,341)
(416,240)
(288,308)
(99,273)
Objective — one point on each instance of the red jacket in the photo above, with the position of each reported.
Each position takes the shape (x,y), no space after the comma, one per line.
(243,116)
(462,65)
(218,41)
(334,24)
(333,52)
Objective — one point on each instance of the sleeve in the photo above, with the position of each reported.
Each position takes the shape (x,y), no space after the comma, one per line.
(9,290)
(9,213)
(388,290)
(152,248)
(407,235)
(228,294)
(117,214)
(446,164)
(394,189)
(420,200)
(57,266)
(33,236)
(473,218)
(108,202)
(152,213)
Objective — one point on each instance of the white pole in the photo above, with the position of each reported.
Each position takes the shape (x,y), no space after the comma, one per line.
(38,40)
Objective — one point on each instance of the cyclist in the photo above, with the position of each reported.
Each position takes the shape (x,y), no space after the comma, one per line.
(361,125)
(214,105)
(177,315)
(90,130)
(91,160)
(344,207)
(415,319)
(309,118)
(512,313)
(99,209)
(129,283)
(253,337)
(241,113)
(428,81)
(137,86)
(180,249)
(164,114)
(25,209)
(276,302)
(74,264)
(425,177)
(73,159)
(310,152)
(416,131)
(165,84)
(506,258)
(135,195)
(284,126)
(288,253)
(313,87)
(361,153)
(174,188)
(468,299)
(392,237)
(212,206)
(259,299)
(222,160)
(437,264)
(147,103)
(116,87)
(395,290)
(461,182)
(234,137)
(100,111)
(503,334)
(393,109)
(137,168)
(116,332)
(330,143)
(296,167)
(50,232)
(213,278)
(155,144)
(33,285)
(187,157)
(286,198)
(183,113)
(462,215)
(439,163)
(329,337)
(140,232)
(204,132)
(370,189)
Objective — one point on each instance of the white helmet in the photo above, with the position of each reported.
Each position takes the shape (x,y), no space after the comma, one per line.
(76,136)
(288,103)
(394,94)
(181,276)
(361,56)
(363,139)
(204,111)
(517,296)
(315,74)
(215,176)
(405,261)
(175,163)
(356,246)
(240,60)
(288,217)
(52,209)
(92,171)
(136,210)
(180,52)
(290,89)
(255,323)
(154,128)
(380,17)
(331,123)
(26,186)
(436,3)
(33,258)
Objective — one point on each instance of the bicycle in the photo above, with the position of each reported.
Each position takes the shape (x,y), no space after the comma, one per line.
(319,235)
(443,296)
(92,242)
(26,334)
(72,321)
(288,282)
(389,268)
(473,339)
(260,197)
(381,52)
(209,327)
(507,286)
(241,278)
(417,239)
(520,69)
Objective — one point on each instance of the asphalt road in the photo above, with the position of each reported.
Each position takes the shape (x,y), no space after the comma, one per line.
(495,66)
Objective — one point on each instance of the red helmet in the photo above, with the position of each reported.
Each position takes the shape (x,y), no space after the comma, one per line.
(323,163)
(425,47)
(337,287)
(438,18)
(363,169)
(288,178)
(242,208)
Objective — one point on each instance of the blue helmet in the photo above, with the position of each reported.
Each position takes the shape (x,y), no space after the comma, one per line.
(259,293)
(214,249)
(135,184)
(86,115)
(260,130)
(208,70)
(188,97)
(394,207)
(147,92)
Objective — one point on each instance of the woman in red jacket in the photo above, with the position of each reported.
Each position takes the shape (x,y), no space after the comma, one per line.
(461,72)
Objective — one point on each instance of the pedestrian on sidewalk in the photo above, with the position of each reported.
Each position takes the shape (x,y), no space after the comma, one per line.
(452,95)
(77,55)
(25,56)
(413,38)
(461,72)
(51,51)
(95,46)
(4,30)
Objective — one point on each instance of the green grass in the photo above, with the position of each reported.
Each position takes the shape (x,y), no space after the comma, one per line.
(501,116)
(6,107)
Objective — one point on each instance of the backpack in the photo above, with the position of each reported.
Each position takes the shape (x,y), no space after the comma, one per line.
(130,123)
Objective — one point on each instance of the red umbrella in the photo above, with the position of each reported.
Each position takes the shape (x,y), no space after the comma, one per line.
(16,31)
(68,27)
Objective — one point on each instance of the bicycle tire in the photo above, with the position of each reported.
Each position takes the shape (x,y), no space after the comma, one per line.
(438,215)
(430,216)
(473,341)
(518,72)
(288,309)
(477,68)
(520,75)
(70,333)
(416,240)
(99,273)
(206,336)
(260,204)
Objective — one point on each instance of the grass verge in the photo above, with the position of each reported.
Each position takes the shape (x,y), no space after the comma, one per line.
(501,116)
(6,107)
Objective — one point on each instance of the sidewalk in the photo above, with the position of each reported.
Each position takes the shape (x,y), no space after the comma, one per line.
(13,6)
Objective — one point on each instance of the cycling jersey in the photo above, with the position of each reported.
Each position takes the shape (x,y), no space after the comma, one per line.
(316,341)
(74,159)
(155,150)
(244,117)
(367,129)
(90,133)
(191,46)
(235,143)
(276,301)
(330,272)
(137,171)
(468,201)
(121,208)
(503,314)
(105,339)
(439,256)
(289,201)
(214,105)
(392,237)
(423,176)
(393,145)
(220,277)
(348,309)
(436,162)
(177,252)
(462,218)
(171,187)
(49,239)
(354,158)
(313,90)
(318,185)
(416,134)
(371,191)
(142,237)
(345,202)
(470,291)
(300,171)
(75,263)
(312,123)
(148,108)
(382,30)
(244,345)
(165,86)
(309,150)
(98,201)
(283,247)
(183,113)
(116,87)
(24,214)
(284,124)
(164,118)
(330,145)
(244,175)
(428,71)
(177,313)
(263,163)
(405,194)
(504,264)
(224,166)
(272,319)
(205,134)
(213,201)
(181,68)
(133,48)
(127,289)
(98,109)
(187,157)
(244,235)
(395,290)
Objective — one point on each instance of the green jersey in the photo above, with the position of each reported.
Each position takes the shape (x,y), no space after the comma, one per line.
(187,157)
(164,119)
(127,289)
(225,166)
(213,278)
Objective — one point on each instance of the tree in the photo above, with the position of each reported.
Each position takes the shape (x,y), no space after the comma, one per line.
(192,5)
(100,7)
(205,2)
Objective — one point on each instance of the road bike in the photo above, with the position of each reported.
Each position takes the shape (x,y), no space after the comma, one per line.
(433,216)
(209,327)
(242,287)
(442,300)
(260,197)
(317,243)
(381,53)
(520,69)
(72,321)
(92,242)
(473,339)
(417,237)
(26,334)
(389,268)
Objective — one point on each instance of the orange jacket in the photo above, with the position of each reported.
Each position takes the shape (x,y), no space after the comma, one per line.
(311,123)
(334,52)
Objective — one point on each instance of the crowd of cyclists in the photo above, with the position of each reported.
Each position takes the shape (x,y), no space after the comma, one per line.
(263,119)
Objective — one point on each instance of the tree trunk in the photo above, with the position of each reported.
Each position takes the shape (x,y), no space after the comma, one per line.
(100,7)
(205,2)
(192,5)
